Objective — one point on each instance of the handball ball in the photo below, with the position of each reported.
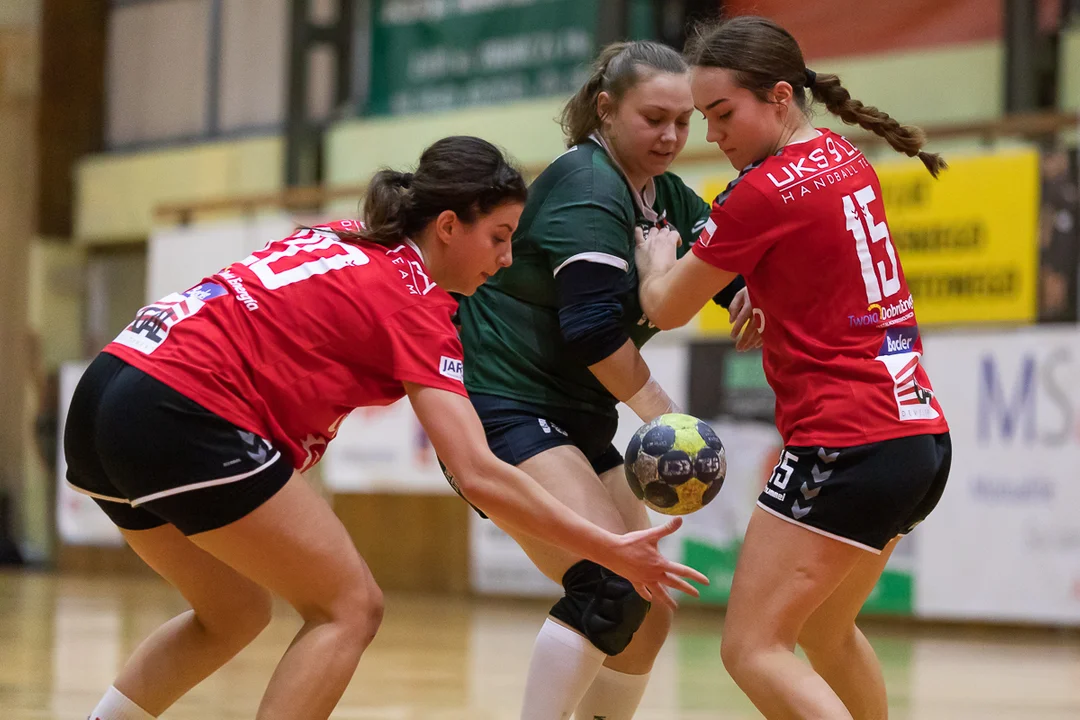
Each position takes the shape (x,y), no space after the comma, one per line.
(675,464)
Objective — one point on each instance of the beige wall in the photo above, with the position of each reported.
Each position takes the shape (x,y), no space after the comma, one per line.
(19,62)
(116,194)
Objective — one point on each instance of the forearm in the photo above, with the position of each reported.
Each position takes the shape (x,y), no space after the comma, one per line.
(626,376)
(623,372)
(513,499)
(653,293)
(655,263)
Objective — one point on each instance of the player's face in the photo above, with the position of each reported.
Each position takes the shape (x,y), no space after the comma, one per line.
(482,247)
(745,128)
(648,129)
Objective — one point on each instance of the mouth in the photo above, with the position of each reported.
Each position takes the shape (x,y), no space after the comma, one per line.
(662,155)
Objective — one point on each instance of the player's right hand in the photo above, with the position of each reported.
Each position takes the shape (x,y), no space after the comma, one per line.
(637,558)
(739,314)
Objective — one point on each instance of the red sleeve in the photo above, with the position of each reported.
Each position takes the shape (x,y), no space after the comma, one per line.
(424,347)
(740,230)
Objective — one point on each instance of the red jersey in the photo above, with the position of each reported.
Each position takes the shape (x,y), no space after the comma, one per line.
(287,342)
(806,229)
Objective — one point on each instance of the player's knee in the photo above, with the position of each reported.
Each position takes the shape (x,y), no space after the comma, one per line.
(734,650)
(656,626)
(353,602)
(600,605)
(360,609)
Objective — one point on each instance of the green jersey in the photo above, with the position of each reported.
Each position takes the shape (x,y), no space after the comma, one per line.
(581,208)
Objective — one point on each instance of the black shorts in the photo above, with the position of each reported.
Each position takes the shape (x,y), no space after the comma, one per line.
(517,431)
(149,455)
(864,495)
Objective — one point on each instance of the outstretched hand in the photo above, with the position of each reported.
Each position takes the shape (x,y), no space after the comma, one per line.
(637,558)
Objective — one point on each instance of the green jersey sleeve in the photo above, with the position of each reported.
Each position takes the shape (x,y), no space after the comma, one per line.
(588,216)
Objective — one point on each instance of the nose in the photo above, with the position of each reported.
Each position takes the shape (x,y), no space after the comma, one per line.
(712,133)
(506,257)
(669,134)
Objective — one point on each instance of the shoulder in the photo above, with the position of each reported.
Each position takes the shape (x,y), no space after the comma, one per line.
(746,187)
(584,171)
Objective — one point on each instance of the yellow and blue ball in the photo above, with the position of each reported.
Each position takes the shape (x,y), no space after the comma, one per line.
(675,464)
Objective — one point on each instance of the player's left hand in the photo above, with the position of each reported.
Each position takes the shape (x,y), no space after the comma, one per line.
(740,313)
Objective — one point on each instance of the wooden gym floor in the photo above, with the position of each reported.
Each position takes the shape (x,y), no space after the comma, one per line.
(62,639)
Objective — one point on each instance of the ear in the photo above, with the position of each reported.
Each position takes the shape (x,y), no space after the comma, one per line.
(782,93)
(605,104)
(446,224)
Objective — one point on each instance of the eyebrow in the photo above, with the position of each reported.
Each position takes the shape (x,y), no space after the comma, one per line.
(666,110)
(714,103)
(507,226)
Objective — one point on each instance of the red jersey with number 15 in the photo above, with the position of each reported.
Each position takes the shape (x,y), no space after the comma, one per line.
(287,342)
(806,229)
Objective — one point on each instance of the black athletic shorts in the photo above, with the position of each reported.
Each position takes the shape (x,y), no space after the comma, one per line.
(517,431)
(863,495)
(149,456)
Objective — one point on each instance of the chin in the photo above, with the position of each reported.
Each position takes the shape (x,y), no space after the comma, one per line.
(660,166)
(467,291)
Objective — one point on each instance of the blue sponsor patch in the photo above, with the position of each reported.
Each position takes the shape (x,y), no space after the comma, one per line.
(899,340)
(206,291)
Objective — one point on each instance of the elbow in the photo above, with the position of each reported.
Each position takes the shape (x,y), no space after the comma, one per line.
(666,322)
(592,332)
(661,317)
(473,480)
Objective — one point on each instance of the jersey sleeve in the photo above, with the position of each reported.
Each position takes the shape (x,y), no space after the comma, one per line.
(587,216)
(424,348)
(740,229)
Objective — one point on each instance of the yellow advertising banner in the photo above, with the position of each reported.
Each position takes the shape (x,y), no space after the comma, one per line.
(968,241)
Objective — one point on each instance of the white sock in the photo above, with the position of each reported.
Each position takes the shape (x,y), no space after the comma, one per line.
(117,706)
(612,696)
(563,666)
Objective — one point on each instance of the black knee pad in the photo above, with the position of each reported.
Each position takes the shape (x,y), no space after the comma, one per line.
(601,605)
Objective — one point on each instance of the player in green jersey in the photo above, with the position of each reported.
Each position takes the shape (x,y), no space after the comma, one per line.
(551,347)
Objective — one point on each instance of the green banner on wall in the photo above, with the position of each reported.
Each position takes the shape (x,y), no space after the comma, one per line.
(432,55)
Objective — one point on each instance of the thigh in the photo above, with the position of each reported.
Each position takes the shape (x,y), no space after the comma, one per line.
(784,573)
(294,545)
(631,510)
(566,473)
(215,590)
(838,612)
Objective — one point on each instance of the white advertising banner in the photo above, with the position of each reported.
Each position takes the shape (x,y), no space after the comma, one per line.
(383,449)
(1004,542)
(178,257)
